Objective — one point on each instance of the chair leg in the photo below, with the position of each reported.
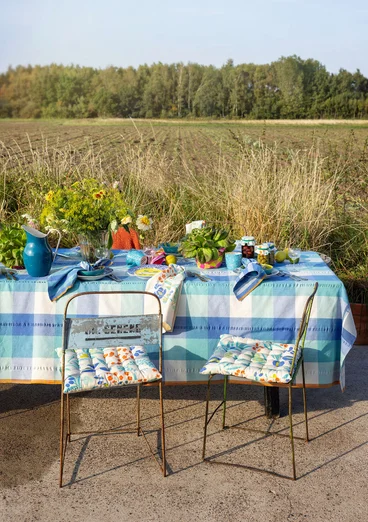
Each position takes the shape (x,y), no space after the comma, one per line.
(305,405)
(224,405)
(61,440)
(206,417)
(291,431)
(162,431)
(69,432)
(138,410)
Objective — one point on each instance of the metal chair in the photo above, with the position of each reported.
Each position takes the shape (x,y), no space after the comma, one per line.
(109,351)
(297,361)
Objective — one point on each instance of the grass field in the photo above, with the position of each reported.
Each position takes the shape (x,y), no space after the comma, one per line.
(293,182)
(195,140)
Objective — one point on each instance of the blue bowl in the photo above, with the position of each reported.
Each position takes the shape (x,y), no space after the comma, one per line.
(169,248)
(91,273)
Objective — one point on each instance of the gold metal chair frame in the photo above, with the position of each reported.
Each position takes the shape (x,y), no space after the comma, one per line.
(64,440)
(300,341)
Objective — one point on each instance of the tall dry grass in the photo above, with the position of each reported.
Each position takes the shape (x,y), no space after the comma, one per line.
(291,197)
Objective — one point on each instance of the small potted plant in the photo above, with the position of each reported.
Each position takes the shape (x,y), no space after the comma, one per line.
(208,246)
(12,243)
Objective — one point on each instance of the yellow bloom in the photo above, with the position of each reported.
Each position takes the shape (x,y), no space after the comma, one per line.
(49,195)
(98,195)
(144,222)
(126,220)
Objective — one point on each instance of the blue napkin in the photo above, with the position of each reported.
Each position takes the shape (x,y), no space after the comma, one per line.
(252,275)
(61,281)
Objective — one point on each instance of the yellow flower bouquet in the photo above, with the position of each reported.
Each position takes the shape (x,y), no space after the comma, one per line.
(89,210)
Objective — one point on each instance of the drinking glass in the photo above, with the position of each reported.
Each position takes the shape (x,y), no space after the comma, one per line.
(294,254)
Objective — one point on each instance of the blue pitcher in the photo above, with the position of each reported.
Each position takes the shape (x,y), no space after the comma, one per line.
(37,254)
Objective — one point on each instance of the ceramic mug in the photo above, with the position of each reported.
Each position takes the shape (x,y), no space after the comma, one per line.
(233,260)
(136,258)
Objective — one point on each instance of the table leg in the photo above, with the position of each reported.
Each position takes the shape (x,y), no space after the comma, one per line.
(272,402)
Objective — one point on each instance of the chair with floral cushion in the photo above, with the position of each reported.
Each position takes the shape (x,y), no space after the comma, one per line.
(265,362)
(109,351)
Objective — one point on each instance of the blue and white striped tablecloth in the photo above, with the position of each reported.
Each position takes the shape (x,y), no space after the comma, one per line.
(31,325)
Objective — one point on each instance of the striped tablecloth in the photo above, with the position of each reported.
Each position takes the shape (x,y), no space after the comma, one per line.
(31,325)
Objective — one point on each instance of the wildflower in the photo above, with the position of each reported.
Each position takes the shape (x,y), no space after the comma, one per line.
(126,220)
(144,222)
(31,222)
(115,185)
(98,195)
(49,195)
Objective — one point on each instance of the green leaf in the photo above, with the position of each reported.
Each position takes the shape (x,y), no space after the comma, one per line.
(200,256)
(207,252)
(223,243)
(109,240)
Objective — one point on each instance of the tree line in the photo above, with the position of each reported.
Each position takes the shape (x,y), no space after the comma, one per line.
(287,88)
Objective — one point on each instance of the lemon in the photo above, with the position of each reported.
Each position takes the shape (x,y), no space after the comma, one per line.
(280,256)
(170,260)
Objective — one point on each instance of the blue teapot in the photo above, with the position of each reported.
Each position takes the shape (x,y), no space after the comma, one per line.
(37,254)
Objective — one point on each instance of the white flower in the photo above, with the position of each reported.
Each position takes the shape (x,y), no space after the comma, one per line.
(114,225)
(30,221)
(33,224)
(126,220)
(144,222)
(115,185)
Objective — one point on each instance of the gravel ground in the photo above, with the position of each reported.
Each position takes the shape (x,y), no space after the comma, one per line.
(113,476)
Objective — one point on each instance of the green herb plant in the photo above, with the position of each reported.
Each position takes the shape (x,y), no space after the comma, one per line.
(12,243)
(207,244)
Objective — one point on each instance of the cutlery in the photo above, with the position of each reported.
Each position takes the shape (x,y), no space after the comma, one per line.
(200,276)
(291,276)
(115,278)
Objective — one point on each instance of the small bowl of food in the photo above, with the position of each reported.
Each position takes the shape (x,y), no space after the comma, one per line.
(268,269)
(170,248)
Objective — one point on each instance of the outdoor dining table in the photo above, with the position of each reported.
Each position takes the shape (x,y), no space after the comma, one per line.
(31,324)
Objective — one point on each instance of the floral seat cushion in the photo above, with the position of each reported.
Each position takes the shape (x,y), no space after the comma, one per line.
(92,368)
(261,361)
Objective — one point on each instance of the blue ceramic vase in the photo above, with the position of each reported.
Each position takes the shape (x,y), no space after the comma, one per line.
(37,254)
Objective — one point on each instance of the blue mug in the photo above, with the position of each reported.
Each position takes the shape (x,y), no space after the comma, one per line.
(233,260)
(136,258)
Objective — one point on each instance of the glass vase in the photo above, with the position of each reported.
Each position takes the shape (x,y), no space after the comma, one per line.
(93,246)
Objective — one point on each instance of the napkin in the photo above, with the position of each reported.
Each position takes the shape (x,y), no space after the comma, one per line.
(194,224)
(252,275)
(61,281)
(167,286)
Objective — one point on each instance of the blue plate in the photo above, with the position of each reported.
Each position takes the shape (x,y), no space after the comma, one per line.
(145,271)
(91,273)
(92,276)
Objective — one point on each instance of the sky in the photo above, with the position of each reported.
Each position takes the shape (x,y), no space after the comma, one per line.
(99,33)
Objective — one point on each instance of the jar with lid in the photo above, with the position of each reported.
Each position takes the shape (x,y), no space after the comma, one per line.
(263,254)
(247,245)
(272,250)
